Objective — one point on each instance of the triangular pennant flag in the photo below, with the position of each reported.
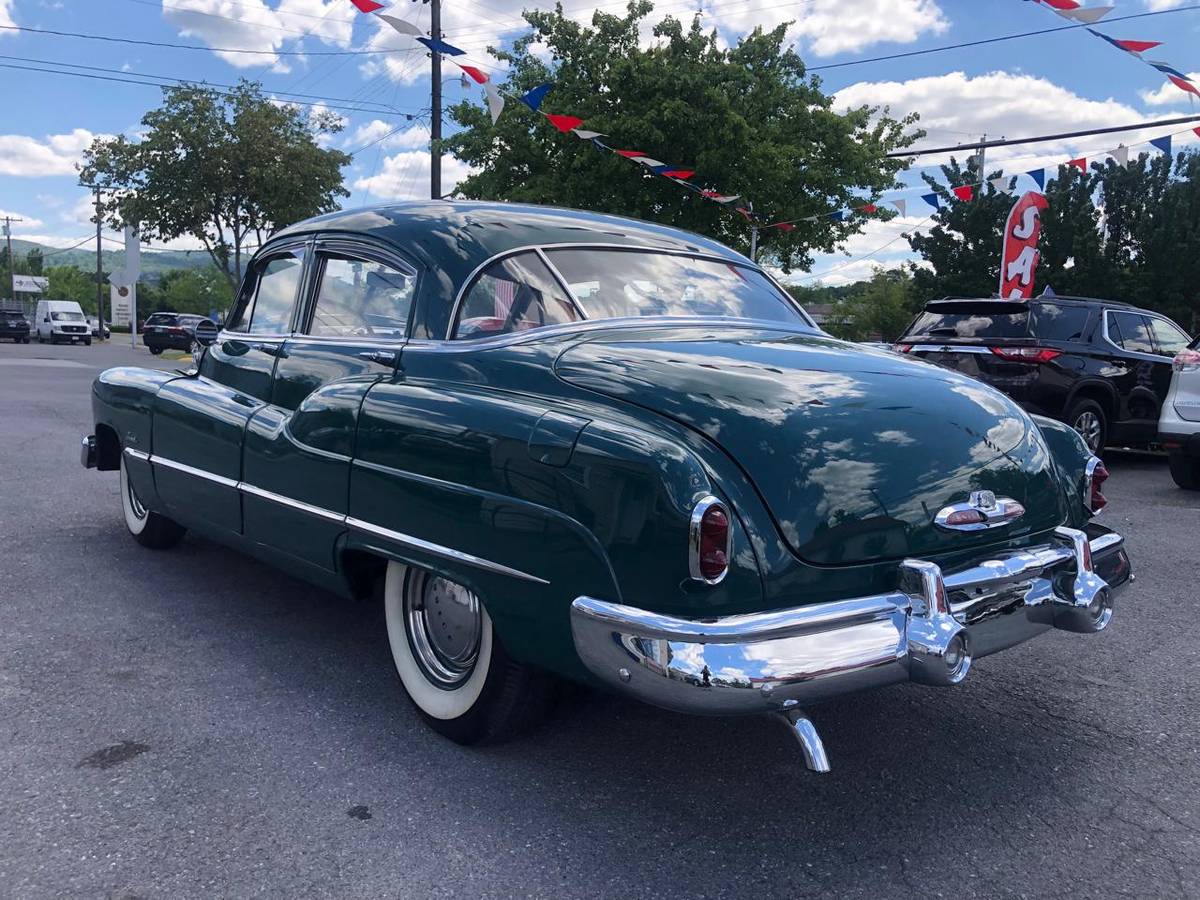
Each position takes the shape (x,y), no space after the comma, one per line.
(534,96)
(1087,15)
(563,123)
(1000,184)
(1080,164)
(478,75)
(786,226)
(495,101)
(585,135)
(1120,156)
(965,193)
(869,208)
(649,163)
(1163,144)
(718,197)
(1184,84)
(678,174)
(1196,131)
(1167,69)
(1060,5)
(1039,176)
(1137,48)
(439,46)
(932,200)
(901,207)
(367,6)
(839,216)
(401,26)
(629,154)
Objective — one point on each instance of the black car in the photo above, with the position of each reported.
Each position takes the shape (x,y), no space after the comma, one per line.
(14,325)
(169,331)
(1101,366)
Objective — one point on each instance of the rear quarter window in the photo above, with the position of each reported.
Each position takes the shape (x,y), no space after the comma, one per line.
(1058,322)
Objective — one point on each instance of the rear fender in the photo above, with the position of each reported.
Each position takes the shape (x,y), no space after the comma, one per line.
(1070,455)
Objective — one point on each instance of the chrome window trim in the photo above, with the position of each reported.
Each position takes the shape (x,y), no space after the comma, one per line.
(302,243)
(1140,354)
(368,252)
(562,282)
(469,281)
(348,521)
(703,505)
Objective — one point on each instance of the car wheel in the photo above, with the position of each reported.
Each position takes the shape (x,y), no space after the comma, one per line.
(88,342)
(1185,470)
(24,340)
(1088,419)
(451,662)
(150,529)
(155,350)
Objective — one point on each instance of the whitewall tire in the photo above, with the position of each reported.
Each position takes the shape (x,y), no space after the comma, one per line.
(150,529)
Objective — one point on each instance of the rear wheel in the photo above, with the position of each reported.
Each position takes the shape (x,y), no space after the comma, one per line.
(155,350)
(1185,470)
(451,663)
(1088,419)
(149,529)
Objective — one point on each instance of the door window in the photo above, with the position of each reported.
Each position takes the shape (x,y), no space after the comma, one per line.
(1170,339)
(359,297)
(514,294)
(270,295)
(1129,330)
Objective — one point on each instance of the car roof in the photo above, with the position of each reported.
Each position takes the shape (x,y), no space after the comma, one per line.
(1057,298)
(456,236)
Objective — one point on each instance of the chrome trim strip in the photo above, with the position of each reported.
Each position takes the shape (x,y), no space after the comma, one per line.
(562,282)
(439,550)
(191,470)
(318,511)
(137,454)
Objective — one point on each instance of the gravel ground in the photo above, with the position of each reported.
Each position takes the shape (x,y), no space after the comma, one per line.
(195,723)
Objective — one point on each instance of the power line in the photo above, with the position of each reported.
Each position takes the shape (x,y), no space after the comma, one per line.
(121,40)
(1044,138)
(65,249)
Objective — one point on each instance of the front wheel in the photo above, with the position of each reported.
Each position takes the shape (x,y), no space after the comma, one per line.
(87,342)
(154,351)
(1185,470)
(150,529)
(1088,419)
(451,662)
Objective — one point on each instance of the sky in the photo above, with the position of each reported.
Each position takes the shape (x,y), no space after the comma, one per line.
(1049,83)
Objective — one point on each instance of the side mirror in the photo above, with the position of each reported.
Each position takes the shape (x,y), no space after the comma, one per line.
(206,332)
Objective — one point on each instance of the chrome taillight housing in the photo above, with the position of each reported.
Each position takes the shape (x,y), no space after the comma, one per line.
(1094,476)
(710,535)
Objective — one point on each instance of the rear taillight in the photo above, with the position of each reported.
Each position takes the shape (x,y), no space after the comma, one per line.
(1186,361)
(902,348)
(1026,354)
(708,541)
(1094,477)
(177,330)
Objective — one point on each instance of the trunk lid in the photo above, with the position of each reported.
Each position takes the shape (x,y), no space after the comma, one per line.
(854,451)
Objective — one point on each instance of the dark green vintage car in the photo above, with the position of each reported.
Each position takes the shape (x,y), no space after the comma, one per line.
(564,444)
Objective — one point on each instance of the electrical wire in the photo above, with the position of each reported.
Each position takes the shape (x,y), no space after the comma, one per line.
(121,40)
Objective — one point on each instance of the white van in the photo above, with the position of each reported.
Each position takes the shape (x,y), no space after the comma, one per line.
(61,320)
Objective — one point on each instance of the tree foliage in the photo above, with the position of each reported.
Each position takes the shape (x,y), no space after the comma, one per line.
(219,167)
(1129,233)
(748,119)
(877,309)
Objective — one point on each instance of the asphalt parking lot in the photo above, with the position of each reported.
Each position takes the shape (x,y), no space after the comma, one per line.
(195,723)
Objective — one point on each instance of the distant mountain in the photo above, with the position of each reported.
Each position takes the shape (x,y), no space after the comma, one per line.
(154,262)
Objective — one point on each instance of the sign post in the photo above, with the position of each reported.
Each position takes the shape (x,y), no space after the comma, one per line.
(1019,255)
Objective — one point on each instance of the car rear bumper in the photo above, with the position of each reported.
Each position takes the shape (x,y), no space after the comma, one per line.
(1188,444)
(929,630)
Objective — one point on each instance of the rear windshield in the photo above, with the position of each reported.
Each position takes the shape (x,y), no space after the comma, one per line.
(160,319)
(1047,321)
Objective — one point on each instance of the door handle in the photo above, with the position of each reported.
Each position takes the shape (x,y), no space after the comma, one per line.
(269,349)
(383,357)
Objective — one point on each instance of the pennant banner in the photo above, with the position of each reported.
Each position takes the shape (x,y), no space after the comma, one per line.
(439,46)
(1163,144)
(367,6)
(401,26)
(534,96)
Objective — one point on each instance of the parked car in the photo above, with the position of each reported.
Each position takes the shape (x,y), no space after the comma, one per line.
(14,325)
(1102,367)
(1179,425)
(61,321)
(567,443)
(94,324)
(170,331)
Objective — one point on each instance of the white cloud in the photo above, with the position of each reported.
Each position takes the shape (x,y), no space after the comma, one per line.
(27,221)
(387,137)
(1168,93)
(256,25)
(405,176)
(1164,4)
(57,154)
(6,15)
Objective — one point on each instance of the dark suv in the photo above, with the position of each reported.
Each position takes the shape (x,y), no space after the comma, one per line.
(1103,367)
(169,331)
(13,324)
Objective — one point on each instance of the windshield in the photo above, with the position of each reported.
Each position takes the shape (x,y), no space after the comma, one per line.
(519,292)
(66,316)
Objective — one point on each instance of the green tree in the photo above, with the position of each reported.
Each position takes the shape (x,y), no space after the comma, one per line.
(880,308)
(748,118)
(187,291)
(33,262)
(222,168)
(72,283)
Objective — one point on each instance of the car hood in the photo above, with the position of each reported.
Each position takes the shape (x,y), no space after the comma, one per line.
(853,451)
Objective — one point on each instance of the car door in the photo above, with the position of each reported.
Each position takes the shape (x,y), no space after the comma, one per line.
(200,422)
(1139,401)
(1169,339)
(298,450)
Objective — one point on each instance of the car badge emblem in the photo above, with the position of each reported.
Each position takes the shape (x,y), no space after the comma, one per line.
(981,511)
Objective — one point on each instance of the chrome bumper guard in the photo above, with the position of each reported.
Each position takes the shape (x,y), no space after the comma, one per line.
(87,452)
(928,631)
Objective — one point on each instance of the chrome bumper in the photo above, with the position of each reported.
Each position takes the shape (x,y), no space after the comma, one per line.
(87,452)
(929,630)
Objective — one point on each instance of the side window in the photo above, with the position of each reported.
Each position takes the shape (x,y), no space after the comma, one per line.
(361,297)
(1170,339)
(269,296)
(515,294)
(1130,332)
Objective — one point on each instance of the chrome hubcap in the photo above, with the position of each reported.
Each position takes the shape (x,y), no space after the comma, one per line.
(445,627)
(1088,426)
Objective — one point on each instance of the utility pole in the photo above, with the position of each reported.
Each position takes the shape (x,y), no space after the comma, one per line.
(983,160)
(12,271)
(753,243)
(435,125)
(99,272)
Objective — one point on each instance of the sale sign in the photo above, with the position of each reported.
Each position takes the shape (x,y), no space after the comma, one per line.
(1019,257)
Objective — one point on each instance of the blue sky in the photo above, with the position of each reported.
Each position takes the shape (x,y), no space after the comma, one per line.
(1049,83)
